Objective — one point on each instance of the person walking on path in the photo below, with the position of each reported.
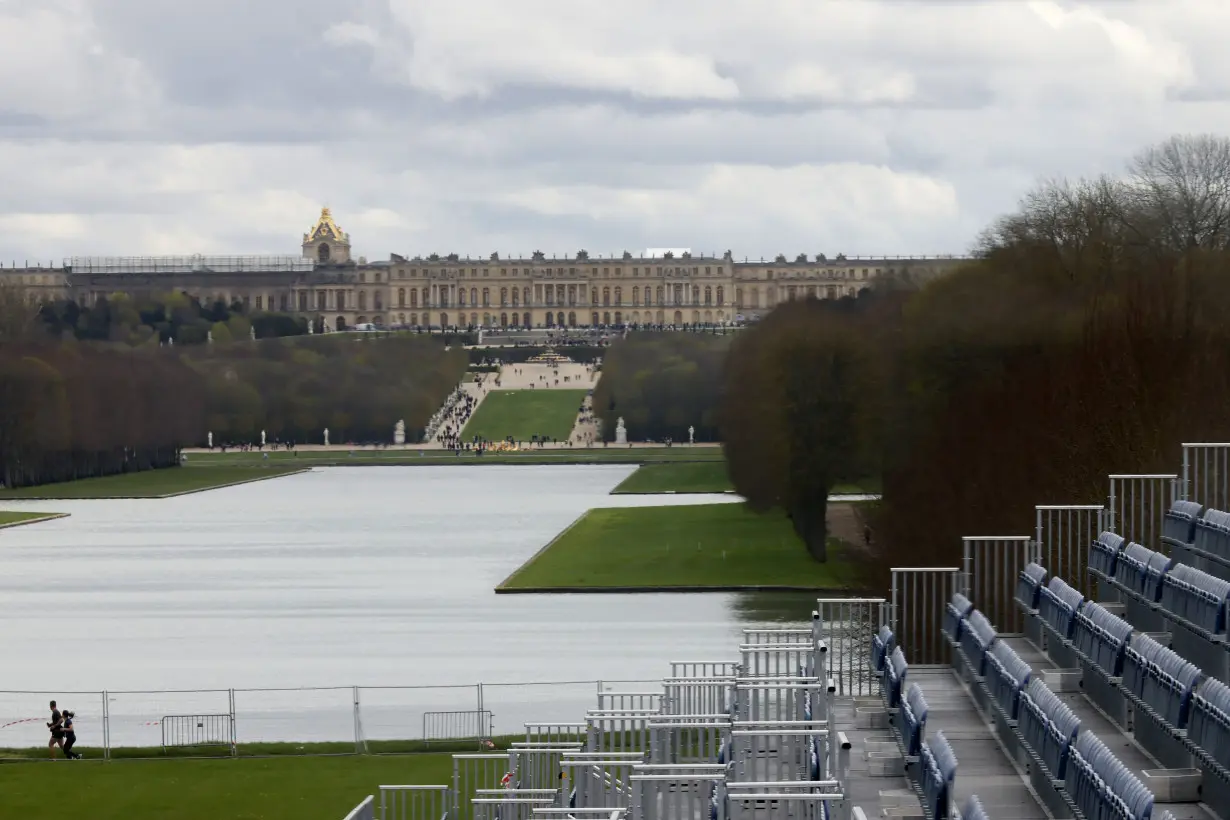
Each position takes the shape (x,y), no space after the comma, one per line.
(70,735)
(57,731)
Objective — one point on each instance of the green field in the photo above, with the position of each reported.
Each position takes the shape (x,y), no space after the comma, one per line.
(523,414)
(695,546)
(8,519)
(707,476)
(277,788)
(678,477)
(150,483)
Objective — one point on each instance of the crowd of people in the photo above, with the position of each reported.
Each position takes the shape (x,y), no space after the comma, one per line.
(455,418)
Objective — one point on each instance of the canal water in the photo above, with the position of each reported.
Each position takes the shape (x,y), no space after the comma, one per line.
(373,577)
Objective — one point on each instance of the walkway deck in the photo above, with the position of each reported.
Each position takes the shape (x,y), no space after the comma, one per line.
(983,769)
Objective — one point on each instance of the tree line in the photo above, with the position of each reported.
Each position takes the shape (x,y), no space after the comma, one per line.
(660,384)
(115,400)
(1087,337)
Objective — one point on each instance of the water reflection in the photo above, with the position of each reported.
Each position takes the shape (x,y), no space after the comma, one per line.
(367,576)
(774,607)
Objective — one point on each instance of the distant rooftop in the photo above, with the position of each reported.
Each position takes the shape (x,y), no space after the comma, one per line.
(196,263)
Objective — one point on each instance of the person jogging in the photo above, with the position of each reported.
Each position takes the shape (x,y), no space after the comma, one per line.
(57,731)
(70,735)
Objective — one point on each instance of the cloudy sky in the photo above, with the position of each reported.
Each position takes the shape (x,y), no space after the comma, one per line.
(472,126)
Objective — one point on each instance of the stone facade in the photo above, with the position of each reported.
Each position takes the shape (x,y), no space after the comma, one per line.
(327,285)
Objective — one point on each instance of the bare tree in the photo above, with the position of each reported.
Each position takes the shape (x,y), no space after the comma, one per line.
(1180,190)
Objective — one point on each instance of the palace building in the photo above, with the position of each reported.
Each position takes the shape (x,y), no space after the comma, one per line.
(327,285)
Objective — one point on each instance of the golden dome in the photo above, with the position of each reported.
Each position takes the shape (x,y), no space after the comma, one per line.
(326,228)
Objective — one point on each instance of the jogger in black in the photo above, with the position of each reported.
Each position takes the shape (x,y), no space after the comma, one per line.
(70,735)
(57,731)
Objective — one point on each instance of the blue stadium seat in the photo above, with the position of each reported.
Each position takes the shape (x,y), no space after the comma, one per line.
(1101,786)
(1140,569)
(976,639)
(1179,524)
(1104,553)
(894,676)
(1212,533)
(1168,687)
(939,769)
(1029,584)
(1196,597)
(882,644)
(954,615)
(973,809)
(1102,637)
(1138,659)
(911,719)
(1006,676)
(813,764)
(1058,606)
(1048,726)
(1209,724)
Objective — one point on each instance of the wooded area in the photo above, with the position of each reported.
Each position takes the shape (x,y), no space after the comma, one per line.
(661,384)
(72,409)
(1088,338)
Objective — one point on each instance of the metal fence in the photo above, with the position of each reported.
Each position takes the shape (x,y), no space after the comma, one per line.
(919,597)
(321,720)
(1064,533)
(1138,505)
(1206,474)
(990,567)
(844,624)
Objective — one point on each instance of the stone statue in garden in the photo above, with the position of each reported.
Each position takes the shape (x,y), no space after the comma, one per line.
(262,438)
(399,432)
(210,439)
(326,436)
(621,432)
(691,434)
(252,333)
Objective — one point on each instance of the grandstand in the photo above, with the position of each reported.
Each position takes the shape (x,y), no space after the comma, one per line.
(1107,700)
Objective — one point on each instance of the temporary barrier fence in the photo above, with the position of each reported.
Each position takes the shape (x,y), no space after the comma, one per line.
(555,732)
(1206,474)
(991,565)
(844,624)
(779,636)
(618,731)
(415,802)
(472,772)
(697,695)
(598,782)
(775,660)
(919,595)
(1064,533)
(475,725)
(630,700)
(1138,505)
(784,698)
(785,801)
(198,731)
(704,669)
(687,738)
(779,750)
(673,795)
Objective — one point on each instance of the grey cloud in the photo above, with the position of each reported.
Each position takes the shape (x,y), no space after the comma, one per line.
(224,126)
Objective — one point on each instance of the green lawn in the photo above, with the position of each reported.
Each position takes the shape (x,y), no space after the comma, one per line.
(9,518)
(704,477)
(278,788)
(704,545)
(525,413)
(149,483)
(678,477)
